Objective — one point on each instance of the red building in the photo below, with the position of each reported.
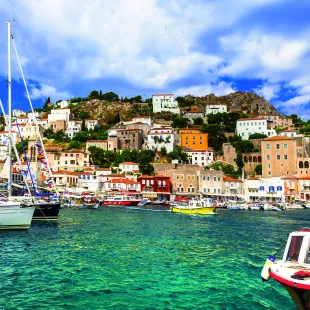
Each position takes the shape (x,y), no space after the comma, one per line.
(158,186)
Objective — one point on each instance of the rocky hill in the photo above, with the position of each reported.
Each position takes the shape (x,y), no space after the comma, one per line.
(247,102)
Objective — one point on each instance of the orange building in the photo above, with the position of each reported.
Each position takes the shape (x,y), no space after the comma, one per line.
(194,138)
(290,187)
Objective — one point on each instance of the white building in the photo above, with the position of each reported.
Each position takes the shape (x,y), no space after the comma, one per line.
(112,132)
(63,103)
(216,108)
(18,112)
(28,131)
(200,157)
(289,133)
(91,123)
(21,120)
(160,137)
(4,151)
(142,119)
(264,189)
(32,117)
(121,184)
(62,114)
(43,122)
(165,103)
(232,187)
(128,167)
(72,128)
(4,137)
(248,126)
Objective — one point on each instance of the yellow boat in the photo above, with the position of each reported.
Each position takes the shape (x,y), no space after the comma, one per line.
(200,206)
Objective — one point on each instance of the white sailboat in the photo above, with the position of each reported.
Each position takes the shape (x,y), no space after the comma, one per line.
(13,215)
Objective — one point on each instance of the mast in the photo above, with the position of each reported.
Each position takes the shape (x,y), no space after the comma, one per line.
(10,179)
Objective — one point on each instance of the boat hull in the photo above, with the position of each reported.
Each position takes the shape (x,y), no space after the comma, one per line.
(124,203)
(202,211)
(46,211)
(298,290)
(15,217)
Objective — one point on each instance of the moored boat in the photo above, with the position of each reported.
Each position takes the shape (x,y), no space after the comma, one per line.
(293,270)
(195,206)
(121,201)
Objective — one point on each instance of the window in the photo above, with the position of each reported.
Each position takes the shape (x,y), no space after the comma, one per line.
(285,146)
(219,179)
(193,189)
(267,146)
(278,146)
(278,157)
(208,178)
(285,156)
(214,178)
(268,157)
(294,249)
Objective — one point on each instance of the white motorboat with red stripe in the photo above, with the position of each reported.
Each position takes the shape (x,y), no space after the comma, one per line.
(121,200)
(293,270)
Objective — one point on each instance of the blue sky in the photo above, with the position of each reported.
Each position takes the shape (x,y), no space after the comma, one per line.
(142,47)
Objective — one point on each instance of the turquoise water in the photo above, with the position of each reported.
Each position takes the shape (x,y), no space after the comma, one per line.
(136,259)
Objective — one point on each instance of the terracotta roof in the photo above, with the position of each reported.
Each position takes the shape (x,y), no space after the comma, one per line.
(22,116)
(258,118)
(115,175)
(146,177)
(122,180)
(71,172)
(42,119)
(96,141)
(290,177)
(88,169)
(128,163)
(195,111)
(128,129)
(103,169)
(289,130)
(163,95)
(229,179)
(306,177)
(253,178)
(278,138)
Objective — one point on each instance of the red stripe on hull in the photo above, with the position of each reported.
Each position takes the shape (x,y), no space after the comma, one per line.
(121,203)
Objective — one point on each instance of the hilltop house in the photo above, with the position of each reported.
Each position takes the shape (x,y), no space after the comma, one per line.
(165,103)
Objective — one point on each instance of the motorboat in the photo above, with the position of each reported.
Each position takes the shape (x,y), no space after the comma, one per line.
(121,201)
(237,207)
(195,206)
(144,202)
(160,202)
(254,207)
(293,270)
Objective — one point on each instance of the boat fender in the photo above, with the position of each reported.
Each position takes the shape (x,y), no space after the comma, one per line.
(265,271)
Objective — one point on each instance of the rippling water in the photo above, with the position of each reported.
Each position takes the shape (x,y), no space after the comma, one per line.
(137,259)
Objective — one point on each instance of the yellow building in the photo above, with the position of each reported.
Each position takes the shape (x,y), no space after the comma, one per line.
(194,138)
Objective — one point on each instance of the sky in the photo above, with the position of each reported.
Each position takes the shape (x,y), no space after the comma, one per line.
(143,47)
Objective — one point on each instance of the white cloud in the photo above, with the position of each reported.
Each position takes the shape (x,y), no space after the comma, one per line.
(45,91)
(219,89)
(260,55)
(147,42)
(269,91)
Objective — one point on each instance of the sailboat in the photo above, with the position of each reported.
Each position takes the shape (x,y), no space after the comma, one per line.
(13,215)
(44,210)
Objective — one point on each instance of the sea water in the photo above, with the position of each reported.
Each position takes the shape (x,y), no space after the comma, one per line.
(118,258)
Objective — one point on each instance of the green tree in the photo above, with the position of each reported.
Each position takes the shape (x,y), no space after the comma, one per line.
(243,146)
(163,151)
(60,136)
(46,103)
(257,135)
(179,122)
(21,146)
(178,154)
(216,136)
(198,121)
(259,169)
(48,133)
(110,96)
(81,136)
(94,95)
(75,145)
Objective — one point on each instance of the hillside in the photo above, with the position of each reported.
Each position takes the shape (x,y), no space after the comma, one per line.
(247,102)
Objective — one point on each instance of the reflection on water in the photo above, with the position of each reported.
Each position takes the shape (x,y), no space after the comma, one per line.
(123,258)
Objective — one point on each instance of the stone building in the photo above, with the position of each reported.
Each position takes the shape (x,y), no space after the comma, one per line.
(130,139)
(211,183)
